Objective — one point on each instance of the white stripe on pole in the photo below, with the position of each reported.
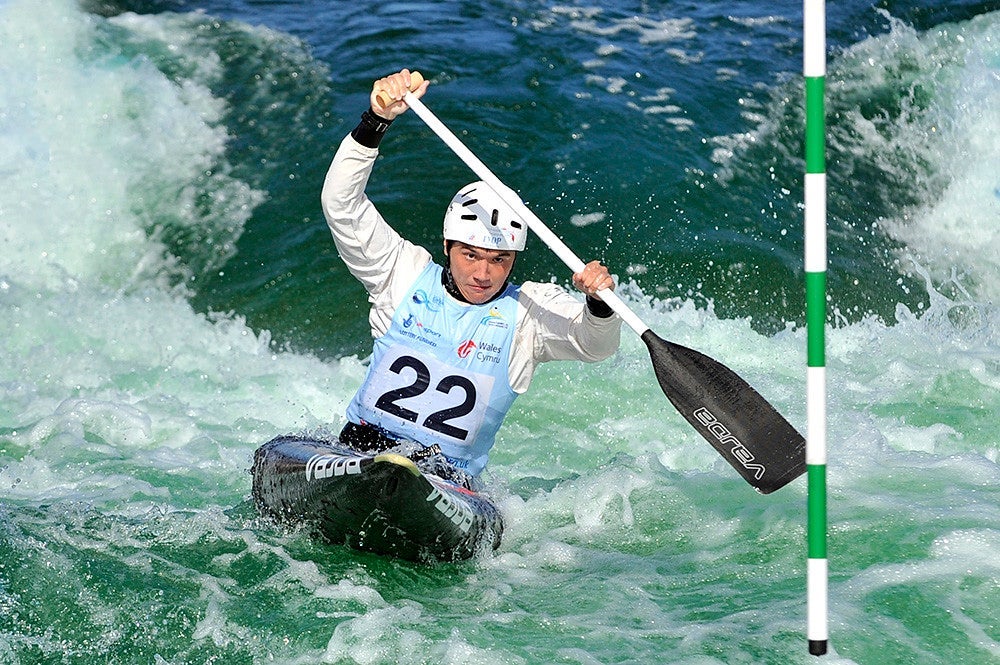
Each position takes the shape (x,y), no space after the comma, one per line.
(814,36)
(816,416)
(817,591)
(815,224)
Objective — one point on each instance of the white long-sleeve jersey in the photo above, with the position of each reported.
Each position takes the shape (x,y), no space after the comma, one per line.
(551,324)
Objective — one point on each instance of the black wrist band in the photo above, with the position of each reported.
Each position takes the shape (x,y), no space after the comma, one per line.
(371,129)
(599,308)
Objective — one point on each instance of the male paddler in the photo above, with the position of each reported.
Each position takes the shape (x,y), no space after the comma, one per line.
(456,342)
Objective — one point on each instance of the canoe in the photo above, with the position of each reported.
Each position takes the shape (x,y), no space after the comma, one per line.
(376,502)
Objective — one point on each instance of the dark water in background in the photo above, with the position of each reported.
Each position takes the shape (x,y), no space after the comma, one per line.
(172,298)
(631,124)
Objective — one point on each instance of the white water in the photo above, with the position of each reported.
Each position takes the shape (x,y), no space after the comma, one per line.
(945,143)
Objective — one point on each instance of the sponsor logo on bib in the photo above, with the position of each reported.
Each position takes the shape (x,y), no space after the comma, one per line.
(434,304)
(465,348)
(494,318)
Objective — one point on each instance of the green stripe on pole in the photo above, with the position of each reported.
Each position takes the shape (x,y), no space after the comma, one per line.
(815,125)
(816,475)
(816,318)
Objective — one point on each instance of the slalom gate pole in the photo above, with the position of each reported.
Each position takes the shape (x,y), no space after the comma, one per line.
(814,69)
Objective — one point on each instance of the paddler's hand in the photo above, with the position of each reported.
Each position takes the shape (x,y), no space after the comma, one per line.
(391,89)
(593,278)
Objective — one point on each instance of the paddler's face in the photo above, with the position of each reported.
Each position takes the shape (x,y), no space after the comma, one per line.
(479,273)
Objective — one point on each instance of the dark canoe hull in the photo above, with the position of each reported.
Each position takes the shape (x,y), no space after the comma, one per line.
(379,503)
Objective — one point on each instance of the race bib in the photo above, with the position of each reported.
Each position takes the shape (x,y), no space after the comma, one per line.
(411,391)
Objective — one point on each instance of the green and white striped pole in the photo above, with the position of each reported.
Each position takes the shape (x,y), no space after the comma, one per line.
(814,67)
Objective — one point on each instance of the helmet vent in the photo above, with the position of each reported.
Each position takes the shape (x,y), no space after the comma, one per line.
(482,217)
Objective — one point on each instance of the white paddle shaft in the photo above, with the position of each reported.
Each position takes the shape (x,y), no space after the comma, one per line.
(510,198)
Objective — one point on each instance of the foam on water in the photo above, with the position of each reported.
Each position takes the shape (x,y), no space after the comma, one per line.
(943,144)
(103,352)
(110,157)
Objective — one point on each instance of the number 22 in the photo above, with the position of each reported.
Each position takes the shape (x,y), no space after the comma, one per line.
(437,421)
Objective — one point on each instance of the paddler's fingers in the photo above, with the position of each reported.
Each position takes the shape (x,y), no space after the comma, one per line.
(593,278)
(387,93)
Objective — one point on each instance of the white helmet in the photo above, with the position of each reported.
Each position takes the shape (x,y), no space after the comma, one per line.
(478,217)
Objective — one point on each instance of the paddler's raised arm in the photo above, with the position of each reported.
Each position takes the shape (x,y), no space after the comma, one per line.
(372,250)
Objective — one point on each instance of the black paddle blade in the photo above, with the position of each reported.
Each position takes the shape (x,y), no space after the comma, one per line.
(742,426)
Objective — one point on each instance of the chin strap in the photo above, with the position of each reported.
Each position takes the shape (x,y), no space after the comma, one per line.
(449,285)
